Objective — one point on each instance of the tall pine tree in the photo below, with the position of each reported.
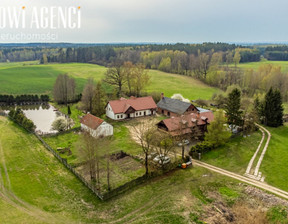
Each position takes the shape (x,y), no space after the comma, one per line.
(273,108)
(234,115)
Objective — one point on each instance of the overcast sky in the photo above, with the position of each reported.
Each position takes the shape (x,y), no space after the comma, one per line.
(172,21)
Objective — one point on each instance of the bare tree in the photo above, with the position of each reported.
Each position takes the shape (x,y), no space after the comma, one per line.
(202,65)
(181,132)
(64,89)
(88,152)
(164,144)
(145,134)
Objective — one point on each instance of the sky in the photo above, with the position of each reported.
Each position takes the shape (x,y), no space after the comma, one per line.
(160,21)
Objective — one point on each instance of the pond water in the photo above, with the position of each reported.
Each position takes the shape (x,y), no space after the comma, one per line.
(42,116)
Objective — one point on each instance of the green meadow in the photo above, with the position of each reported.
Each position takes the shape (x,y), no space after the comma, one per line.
(256,65)
(274,166)
(236,154)
(36,188)
(32,78)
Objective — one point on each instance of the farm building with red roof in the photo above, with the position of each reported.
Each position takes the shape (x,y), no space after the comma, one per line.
(96,126)
(130,108)
(187,124)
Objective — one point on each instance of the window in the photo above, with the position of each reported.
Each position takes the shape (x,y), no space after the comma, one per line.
(117,116)
(139,113)
(121,116)
(136,114)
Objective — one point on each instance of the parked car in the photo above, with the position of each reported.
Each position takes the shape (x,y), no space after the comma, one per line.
(161,158)
(185,142)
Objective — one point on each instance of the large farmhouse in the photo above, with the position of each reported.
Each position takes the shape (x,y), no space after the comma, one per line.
(187,124)
(131,108)
(173,107)
(96,126)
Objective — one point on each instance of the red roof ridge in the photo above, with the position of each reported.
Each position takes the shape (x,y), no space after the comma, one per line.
(140,103)
(91,121)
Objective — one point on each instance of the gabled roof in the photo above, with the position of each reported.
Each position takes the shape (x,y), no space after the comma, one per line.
(141,103)
(91,121)
(173,105)
(188,121)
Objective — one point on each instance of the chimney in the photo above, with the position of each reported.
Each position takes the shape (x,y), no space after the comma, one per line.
(198,115)
(162,96)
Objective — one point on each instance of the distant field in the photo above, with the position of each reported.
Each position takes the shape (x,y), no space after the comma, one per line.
(256,65)
(32,78)
(172,83)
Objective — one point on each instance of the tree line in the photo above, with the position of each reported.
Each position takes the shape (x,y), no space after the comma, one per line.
(18,116)
(23,99)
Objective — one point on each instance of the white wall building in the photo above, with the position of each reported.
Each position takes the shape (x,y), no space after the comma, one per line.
(96,126)
(130,108)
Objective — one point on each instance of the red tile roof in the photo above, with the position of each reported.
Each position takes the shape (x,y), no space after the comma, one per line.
(141,103)
(91,121)
(173,124)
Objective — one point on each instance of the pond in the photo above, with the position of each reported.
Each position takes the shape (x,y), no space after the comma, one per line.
(42,116)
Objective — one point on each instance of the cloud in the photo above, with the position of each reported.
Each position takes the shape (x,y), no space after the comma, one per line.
(172,20)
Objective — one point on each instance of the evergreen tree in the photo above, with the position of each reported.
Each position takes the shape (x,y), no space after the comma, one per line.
(234,115)
(273,108)
(258,107)
(69,110)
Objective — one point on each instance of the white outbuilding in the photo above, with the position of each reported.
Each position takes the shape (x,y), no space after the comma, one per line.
(96,126)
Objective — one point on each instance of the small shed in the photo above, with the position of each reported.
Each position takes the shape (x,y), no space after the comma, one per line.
(96,126)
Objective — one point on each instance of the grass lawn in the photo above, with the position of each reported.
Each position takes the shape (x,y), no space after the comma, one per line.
(274,166)
(236,154)
(32,78)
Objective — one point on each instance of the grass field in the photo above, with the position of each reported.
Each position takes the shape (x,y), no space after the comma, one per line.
(274,166)
(36,188)
(236,154)
(32,78)
(256,65)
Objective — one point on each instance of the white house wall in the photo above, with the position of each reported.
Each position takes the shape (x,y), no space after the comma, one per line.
(109,112)
(133,115)
(104,129)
